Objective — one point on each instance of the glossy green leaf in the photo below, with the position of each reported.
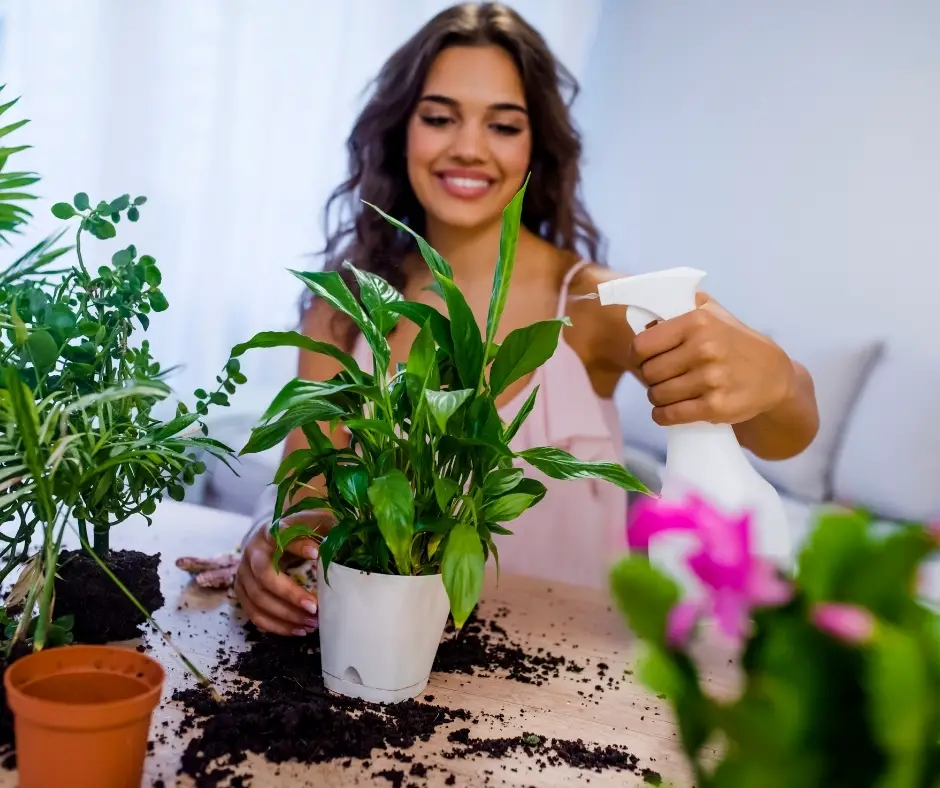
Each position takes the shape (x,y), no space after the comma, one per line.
(421,368)
(522,352)
(81,202)
(507,507)
(839,542)
(501,481)
(393,504)
(334,541)
(445,490)
(462,568)
(444,404)
(435,262)
(299,392)
(158,301)
(284,536)
(267,436)
(419,314)
(269,339)
(352,482)
(465,333)
(508,241)
(376,293)
(559,464)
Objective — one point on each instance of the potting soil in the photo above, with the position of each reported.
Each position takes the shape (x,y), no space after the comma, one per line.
(278,708)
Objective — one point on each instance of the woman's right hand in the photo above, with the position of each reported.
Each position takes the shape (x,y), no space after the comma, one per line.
(270,598)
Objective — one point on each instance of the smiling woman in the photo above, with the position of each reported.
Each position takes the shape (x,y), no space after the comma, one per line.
(467,110)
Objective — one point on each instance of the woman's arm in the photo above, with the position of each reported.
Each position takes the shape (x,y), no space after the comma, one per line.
(708,366)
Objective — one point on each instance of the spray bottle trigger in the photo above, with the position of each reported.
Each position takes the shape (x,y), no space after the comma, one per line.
(638,318)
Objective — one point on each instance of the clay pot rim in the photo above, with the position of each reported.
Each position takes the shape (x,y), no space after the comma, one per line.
(19,695)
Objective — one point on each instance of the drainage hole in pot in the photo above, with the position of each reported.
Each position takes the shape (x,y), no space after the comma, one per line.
(85,688)
(352,675)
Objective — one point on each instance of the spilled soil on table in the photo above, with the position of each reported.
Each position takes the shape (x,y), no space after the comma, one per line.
(102,611)
(277,707)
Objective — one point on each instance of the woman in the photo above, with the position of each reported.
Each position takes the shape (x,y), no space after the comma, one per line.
(458,117)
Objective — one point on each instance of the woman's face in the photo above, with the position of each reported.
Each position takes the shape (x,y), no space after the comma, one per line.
(469,141)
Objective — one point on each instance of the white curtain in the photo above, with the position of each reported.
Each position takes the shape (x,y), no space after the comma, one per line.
(230,116)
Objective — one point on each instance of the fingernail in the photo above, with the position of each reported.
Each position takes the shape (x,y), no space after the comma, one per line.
(301,633)
(309,606)
(312,623)
(310,551)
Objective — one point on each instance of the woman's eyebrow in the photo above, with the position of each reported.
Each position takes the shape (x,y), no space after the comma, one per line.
(450,102)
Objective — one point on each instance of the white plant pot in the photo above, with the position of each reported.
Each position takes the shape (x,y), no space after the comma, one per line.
(379,633)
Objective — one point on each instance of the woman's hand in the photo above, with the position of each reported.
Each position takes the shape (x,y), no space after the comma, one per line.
(271,599)
(708,366)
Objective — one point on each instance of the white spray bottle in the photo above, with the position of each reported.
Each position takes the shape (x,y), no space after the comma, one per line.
(701,458)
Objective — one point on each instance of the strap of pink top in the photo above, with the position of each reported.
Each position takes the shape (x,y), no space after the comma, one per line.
(565,284)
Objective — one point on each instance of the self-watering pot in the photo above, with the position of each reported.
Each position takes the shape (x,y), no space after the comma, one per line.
(82,715)
(379,633)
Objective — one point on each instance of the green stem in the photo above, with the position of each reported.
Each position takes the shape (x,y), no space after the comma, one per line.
(102,536)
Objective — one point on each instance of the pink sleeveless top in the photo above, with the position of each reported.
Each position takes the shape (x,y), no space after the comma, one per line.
(577,530)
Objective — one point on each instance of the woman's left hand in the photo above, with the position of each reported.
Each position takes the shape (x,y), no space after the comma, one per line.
(708,366)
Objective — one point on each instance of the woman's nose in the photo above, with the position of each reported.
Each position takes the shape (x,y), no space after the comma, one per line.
(469,143)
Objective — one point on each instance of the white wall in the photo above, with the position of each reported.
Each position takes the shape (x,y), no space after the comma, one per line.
(790,149)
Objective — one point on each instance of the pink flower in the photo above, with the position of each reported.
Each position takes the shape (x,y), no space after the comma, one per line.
(734,580)
(849,623)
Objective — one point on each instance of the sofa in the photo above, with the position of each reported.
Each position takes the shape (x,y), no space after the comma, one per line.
(878,446)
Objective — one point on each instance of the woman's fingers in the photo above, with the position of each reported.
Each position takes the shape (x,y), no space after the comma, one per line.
(275,607)
(261,619)
(279,583)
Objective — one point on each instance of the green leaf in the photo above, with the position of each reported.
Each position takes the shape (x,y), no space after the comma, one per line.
(465,333)
(298,392)
(435,262)
(329,286)
(60,318)
(900,704)
(519,419)
(444,404)
(376,293)
(523,351)
(419,314)
(444,491)
(133,214)
(284,536)
(120,204)
(839,542)
(393,503)
(157,301)
(62,210)
(352,482)
(140,200)
(43,351)
(20,331)
(645,596)
(152,275)
(103,229)
(508,241)
(462,569)
(151,390)
(270,435)
(559,464)
(501,481)
(508,507)
(370,425)
(421,367)
(269,339)
(332,543)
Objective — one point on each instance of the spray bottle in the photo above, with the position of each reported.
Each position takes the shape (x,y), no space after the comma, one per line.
(702,458)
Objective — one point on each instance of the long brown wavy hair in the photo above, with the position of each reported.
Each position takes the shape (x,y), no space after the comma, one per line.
(376,148)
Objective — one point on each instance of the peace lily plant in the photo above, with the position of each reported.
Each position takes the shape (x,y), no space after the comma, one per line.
(839,660)
(428,478)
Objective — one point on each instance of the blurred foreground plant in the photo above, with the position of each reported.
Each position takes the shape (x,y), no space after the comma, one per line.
(840,661)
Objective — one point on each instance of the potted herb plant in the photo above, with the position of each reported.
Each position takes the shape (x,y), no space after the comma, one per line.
(428,477)
(839,659)
(79,393)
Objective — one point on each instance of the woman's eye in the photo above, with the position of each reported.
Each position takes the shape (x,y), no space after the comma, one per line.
(435,120)
(509,131)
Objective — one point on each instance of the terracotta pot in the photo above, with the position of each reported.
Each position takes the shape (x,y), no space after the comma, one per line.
(82,715)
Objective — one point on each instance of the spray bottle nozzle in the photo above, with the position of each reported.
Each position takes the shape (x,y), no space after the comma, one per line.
(661,295)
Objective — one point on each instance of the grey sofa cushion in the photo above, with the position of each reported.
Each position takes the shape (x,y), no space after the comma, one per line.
(889,460)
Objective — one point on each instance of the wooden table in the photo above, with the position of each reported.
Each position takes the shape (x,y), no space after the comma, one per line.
(572,622)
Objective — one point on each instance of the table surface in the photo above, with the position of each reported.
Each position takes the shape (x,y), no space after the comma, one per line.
(572,622)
